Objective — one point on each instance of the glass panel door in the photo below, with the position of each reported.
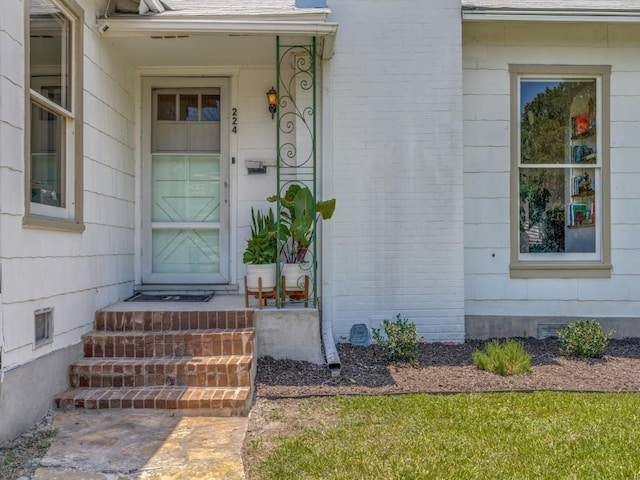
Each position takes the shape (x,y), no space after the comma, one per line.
(188,220)
(186,193)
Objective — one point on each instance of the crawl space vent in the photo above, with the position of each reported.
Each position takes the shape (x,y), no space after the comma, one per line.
(549,330)
(43,325)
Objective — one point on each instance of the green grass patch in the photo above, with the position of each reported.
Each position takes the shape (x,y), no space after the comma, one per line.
(508,358)
(541,435)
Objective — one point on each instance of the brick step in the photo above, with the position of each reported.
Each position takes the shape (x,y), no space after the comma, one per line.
(223,371)
(223,402)
(144,344)
(162,321)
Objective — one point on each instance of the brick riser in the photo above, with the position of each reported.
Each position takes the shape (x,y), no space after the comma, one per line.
(198,343)
(166,360)
(232,371)
(167,321)
(225,401)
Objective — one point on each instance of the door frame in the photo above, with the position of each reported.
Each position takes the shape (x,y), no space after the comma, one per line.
(148,84)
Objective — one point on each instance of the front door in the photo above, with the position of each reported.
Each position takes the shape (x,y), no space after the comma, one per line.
(185,207)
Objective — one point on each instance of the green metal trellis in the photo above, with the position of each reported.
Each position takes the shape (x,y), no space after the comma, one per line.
(296,142)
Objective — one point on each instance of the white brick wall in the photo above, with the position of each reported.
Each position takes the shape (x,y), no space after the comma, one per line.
(75,273)
(393,161)
(487,51)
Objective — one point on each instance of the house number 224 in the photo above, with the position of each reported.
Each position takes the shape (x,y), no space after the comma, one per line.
(234,120)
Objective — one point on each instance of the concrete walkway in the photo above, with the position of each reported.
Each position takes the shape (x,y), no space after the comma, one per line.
(147,445)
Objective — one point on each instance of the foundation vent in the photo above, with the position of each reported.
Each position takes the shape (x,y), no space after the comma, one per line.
(43,320)
(549,330)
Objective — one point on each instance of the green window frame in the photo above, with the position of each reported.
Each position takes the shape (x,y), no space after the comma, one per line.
(53,115)
(560,194)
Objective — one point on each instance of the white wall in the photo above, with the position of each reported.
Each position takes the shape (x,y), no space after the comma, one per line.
(393,160)
(488,48)
(74,273)
(256,140)
(11,115)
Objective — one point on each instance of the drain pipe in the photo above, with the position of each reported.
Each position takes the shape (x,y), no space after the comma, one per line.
(330,352)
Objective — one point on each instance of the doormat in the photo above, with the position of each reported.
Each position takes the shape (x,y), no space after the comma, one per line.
(145,297)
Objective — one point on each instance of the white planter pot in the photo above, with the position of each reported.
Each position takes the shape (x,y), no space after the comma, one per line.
(268,274)
(294,274)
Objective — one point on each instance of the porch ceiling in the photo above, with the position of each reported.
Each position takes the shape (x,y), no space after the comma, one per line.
(196,50)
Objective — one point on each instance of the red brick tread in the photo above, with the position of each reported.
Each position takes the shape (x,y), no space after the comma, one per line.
(221,371)
(169,344)
(225,401)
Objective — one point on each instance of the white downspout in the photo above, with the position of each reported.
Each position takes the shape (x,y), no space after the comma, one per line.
(330,351)
(326,318)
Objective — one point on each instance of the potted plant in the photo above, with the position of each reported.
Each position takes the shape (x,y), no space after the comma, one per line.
(261,253)
(297,224)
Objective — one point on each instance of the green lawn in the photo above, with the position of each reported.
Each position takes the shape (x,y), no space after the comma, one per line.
(542,435)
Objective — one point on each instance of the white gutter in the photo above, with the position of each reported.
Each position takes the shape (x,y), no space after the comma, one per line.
(134,27)
(552,16)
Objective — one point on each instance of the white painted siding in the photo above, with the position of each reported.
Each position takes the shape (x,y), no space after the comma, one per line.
(74,273)
(393,160)
(487,51)
(11,121)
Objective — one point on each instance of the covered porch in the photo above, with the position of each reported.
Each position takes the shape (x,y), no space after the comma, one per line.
(208,149)
(218,62)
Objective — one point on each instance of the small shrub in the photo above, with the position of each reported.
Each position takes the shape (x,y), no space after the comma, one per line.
(583,339)
(400,340)
(508,358)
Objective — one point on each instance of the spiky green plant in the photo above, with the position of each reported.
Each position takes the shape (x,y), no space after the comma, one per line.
(262,246)
(508,358)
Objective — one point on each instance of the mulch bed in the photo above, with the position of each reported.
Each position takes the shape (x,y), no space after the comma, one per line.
(448,368)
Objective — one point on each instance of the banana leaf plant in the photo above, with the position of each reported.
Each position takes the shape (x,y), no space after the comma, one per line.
(297,221)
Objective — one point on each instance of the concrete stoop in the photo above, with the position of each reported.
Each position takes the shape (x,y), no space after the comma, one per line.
(201,361)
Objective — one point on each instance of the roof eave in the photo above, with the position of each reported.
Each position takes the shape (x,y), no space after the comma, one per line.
(139,27)
(533,15)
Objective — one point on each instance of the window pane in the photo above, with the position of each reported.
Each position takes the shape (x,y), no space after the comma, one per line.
(211,107)
(50,50)
(581,212)
(557,210)
(167,107)
(555,117)
(47,153)
(189,108)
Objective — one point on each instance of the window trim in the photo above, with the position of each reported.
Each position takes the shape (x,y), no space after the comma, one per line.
(562,268)
(69,218)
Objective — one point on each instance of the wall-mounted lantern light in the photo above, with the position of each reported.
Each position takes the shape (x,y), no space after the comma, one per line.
(272,97)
